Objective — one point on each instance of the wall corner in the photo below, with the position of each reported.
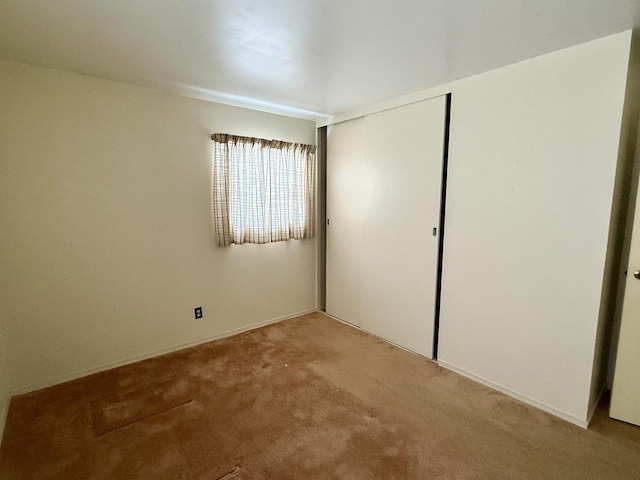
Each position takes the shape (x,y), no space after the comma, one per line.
(619,239)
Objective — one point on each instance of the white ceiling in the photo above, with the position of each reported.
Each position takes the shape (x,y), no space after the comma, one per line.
(304,57)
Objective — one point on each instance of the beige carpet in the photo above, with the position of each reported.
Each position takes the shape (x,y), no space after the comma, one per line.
(130,407)
(307,398)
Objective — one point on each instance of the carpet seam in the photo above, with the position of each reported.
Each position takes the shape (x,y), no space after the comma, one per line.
(144,418)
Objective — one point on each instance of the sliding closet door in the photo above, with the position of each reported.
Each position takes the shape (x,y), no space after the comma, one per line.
(403,170)
(384,180)
(344,215)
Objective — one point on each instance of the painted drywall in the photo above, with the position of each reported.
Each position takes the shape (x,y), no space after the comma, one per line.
(623,213)
(532,167)
(4,386)
(533,156)
(106,231)
(626,387)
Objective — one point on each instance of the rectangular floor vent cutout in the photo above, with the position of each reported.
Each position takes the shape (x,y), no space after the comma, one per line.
(128,408)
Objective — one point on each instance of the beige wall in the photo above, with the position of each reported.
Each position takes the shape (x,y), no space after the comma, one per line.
(106,231)
(4,386)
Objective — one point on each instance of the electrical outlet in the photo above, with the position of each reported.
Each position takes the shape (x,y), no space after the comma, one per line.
(198,312)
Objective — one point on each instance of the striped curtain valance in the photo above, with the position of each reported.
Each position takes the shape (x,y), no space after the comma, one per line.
(263,190)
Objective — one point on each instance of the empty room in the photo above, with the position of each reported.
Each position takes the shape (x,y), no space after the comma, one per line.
(319,240)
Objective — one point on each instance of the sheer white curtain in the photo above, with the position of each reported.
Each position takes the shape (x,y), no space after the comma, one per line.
(263,190)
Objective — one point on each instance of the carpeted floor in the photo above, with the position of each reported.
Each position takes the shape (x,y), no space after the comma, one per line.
(308,398)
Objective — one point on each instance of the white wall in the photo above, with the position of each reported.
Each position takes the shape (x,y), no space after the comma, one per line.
(623,213)
(625,394)
(106,231)
(533,156)
(532,165)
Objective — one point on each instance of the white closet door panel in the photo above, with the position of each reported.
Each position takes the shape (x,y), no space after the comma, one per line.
(344,212)
(403,150)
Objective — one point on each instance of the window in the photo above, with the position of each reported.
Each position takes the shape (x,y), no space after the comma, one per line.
(263,190)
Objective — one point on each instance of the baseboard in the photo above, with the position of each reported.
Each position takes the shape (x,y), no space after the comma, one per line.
(341,321)
(523,398)
(137,358)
